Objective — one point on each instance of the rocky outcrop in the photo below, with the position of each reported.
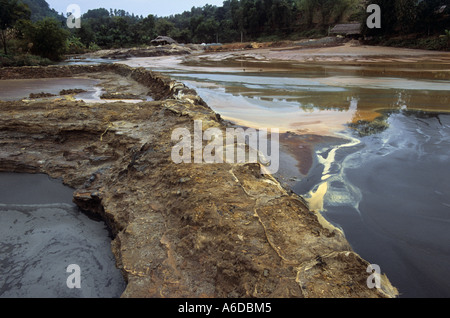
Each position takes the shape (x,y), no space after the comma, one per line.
(186,230)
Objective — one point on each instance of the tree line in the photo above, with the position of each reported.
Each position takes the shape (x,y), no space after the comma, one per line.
(44,37)
(261,20)
(234,21)
(400,17)
(44,32)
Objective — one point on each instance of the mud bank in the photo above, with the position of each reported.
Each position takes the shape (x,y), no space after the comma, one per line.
(187,230)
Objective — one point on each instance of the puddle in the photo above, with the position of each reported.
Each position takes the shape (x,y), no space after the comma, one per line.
(42,233)
(19,89)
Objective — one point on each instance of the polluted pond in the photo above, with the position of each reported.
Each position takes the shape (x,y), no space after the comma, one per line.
(178,230)
(43,234)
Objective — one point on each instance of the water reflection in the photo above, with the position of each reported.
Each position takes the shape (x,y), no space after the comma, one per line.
(377,166)
(318,106)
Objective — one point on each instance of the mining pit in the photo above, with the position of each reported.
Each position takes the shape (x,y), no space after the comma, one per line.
(186,230)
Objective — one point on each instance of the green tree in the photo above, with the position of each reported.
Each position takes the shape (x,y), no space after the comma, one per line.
(145,30)
(48,38)
(99,13)
(164,27)
(446,37)
(237,15)
(307,7)
(120,30)
(74,45)
(329,11)
(86,34)
(11,11)
(96,27)
(40,9)
(206,31)
(406,12)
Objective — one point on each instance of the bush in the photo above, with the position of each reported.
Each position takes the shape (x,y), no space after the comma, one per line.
(75,46)
(48,38)
(94,47)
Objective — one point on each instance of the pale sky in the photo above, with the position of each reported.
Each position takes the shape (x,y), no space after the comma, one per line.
(160,8)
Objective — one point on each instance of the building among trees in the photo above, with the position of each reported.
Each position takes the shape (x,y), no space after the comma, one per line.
(163,40)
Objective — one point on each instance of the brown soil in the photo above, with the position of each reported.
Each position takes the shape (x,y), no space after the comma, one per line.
(41,95)
(187,230)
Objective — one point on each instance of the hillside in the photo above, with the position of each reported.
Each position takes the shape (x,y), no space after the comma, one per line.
(40,9)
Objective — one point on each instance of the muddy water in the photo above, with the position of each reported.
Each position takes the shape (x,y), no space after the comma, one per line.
(384,180)
(92,89)
(41,233)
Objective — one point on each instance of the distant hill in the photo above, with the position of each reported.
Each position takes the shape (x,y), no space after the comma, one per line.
(40,9)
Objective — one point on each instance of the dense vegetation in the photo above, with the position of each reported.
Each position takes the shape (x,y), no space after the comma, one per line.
(413,23)
(30,37)
(31,27)
(234,21)
(40,10)
(263,20)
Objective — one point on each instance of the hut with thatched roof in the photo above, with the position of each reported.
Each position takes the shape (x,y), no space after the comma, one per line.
(163,40)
